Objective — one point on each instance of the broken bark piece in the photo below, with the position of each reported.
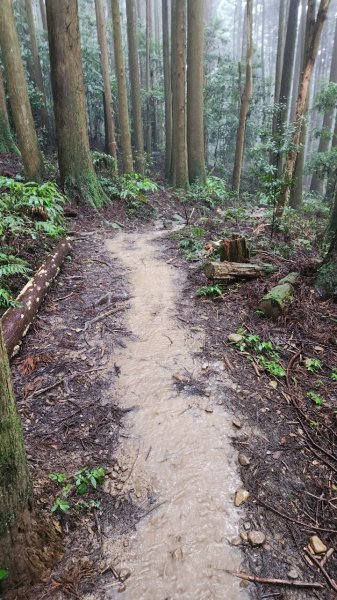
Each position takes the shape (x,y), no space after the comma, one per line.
(17,320)
(228,271)
(234,250)
(274,302)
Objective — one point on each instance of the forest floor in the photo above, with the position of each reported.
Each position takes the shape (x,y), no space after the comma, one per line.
(126,368)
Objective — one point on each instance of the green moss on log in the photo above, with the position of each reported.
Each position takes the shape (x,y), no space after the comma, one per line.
(274,302)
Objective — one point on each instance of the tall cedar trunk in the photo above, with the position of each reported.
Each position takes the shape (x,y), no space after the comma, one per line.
(7,143)
(327,274)
(77,172)
(43,15)
(18,94)
(195,91)
(331,183)
(23,541)
(311,50)
(317,182)
(37,72)
(179,163)
(280,51)
(132,27)
(299,58)
(167,88)
(296,190)
(108,102)
(148,137)
(245,100)
(122,92)
(287,70)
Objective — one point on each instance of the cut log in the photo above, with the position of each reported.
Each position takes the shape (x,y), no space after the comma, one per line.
(17,320)
(273,303)
(228,271)
(234,250)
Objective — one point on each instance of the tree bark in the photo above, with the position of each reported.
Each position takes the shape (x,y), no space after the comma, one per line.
(37,72)
(274,302)
(148,137)
(167,88)
(132,26)
(17,320)
(18,94)
(280,51)
(7,143)
(179,163)
(28,549)
(228,271)
(234,250)
(76,169)
(195,91)
(310,56)
(43,16)
(245,100)
(108,102)
(317,182)
(121,85)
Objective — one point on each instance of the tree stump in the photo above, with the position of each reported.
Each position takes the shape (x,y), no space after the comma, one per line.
(234,250)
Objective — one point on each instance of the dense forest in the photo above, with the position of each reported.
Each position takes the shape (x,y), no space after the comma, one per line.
(210,125)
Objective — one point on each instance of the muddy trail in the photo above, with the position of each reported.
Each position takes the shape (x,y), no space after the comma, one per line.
(178,443)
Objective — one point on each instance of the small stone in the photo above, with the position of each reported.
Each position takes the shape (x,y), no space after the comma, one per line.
(273,384)
(244,536)
(293,574)
(246,393)
(244,584)
(209,409)
(237,422)
(124,574)
(244,461)
(246,525)
(235,541)
(180,378)
(256,538)
(119,486)
(317,545)
(121,589)
(235,338)
(241,497)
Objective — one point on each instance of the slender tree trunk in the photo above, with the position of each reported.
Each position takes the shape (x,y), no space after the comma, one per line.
(310,56)
(37,72)
(7,143)
(286,79)
(43,15)
(132,26)
(179,165)
(77,172)
(279,55)
(148,136)
(317,182)
(108,102)
(299,58)
(195,91)
(167,88)
(18,94)
(23,540)
(122,91)
(245,100)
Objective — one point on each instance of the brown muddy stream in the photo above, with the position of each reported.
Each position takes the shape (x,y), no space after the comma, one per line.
(177,443)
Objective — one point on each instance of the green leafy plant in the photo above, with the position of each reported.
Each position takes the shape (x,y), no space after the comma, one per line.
(10,265)
(3,574)
(208,290)
(192,248)
(78,484)
(264,352)
(312,364)
(316,398)
(272,367)
(333,375)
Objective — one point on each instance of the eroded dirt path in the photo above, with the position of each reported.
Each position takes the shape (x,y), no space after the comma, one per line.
(183,466)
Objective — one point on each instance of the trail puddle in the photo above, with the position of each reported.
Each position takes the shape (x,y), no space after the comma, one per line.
(183,464)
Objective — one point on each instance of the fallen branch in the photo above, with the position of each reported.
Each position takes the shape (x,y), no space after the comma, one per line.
(228,271)
(272,581)
(292,520)
(17,320)
(330,581)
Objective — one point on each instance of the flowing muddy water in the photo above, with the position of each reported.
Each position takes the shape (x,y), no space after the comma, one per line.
(178,445)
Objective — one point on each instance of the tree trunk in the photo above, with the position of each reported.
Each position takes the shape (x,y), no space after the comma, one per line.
(287,70)
(317,182)
(77,172)
(279,60)
(327,274)
(167,88)
(148,137)
(275,301)
(179,163)
(43,16)
(37,72)
(7,143)
(132,27)
(313,39)
(195,91)
(234,250)
(18,94)
(122,92)
(228,271)
(245,100)
(108,102)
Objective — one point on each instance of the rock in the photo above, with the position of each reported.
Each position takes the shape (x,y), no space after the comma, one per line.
(209,409)
(124,574)
(119,486)
(293,574)
(256,538)
(317,545)
(180,378)
(244,536)
(244,461)
(121,589)
(241,497)
(246,393)
(235,541)
(246,525)
(237,422)
(235,338)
